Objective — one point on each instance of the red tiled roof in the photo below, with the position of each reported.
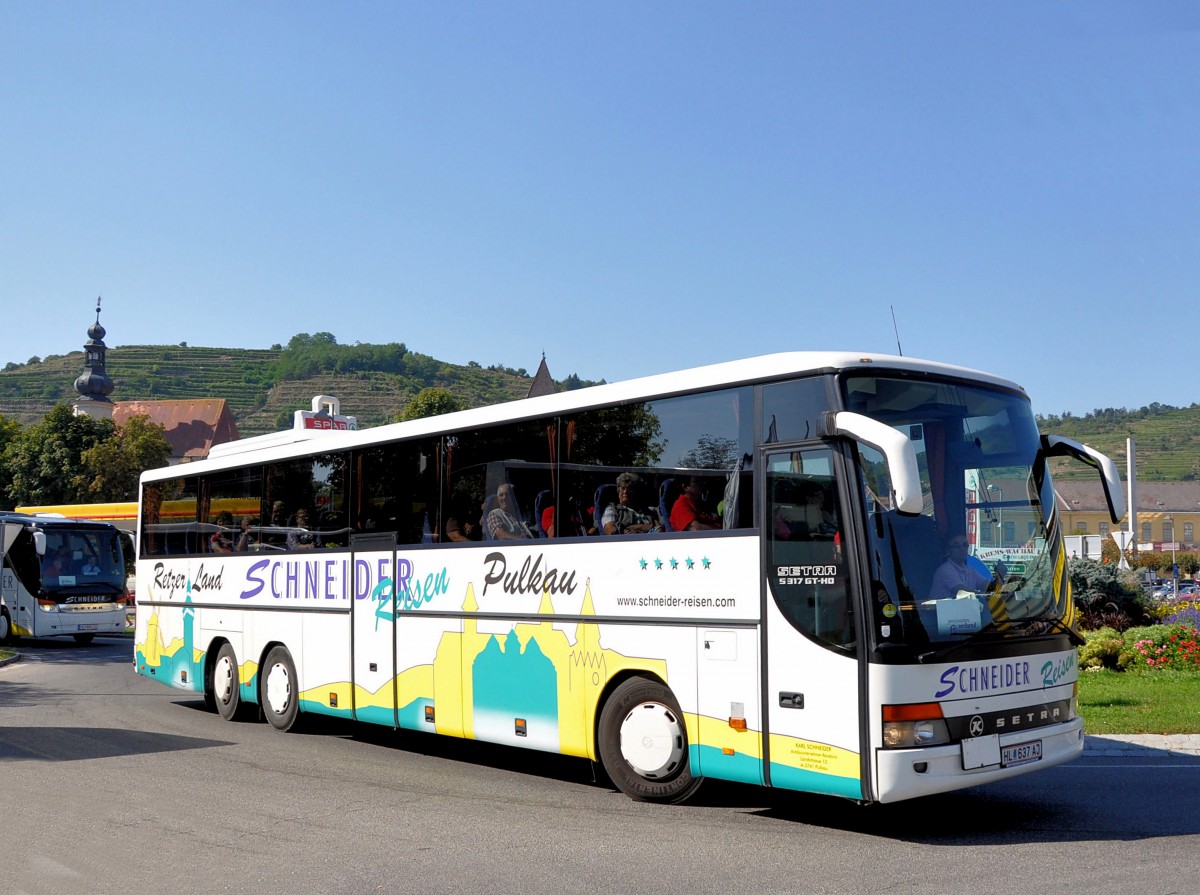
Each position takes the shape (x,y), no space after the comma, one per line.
(191,426)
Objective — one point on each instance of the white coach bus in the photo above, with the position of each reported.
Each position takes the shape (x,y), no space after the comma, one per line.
(60,577)
(769,571)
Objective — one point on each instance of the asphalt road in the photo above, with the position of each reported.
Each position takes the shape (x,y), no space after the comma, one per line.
(113,783)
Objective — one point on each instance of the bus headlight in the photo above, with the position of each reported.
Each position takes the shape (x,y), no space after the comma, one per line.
(920,724)
(47,606)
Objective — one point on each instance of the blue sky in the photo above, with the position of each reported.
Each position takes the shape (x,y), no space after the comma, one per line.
(629,187)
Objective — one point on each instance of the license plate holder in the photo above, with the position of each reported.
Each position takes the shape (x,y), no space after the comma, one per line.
(1020,753)
(87,627)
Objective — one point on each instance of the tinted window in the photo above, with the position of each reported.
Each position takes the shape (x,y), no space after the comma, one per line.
(807,571)
(397,490)
(791,409)
(169,518)
(630,465)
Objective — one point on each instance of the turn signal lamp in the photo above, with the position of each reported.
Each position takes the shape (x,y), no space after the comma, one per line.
(914,724)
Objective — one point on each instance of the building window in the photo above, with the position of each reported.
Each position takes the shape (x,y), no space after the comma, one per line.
(1189,534)
(1104,529)
(1081,527)
(1146,536)
(1168,531)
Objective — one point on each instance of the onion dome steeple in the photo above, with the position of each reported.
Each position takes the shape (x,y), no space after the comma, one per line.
(94,385)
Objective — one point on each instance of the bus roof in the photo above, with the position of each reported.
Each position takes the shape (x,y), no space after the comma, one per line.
(50,521)
(295,443)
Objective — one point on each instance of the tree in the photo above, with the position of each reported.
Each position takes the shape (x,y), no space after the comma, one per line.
(44,463)
(712,452)
(432,401)
(9,430)
(112,466)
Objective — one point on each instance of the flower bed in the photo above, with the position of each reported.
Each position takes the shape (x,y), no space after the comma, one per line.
(1175,645)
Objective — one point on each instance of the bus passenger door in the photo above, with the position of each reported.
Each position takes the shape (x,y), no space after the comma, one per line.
(373,623)
(813,695)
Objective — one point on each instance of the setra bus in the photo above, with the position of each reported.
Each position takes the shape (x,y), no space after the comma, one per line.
(791,627)
(61,577)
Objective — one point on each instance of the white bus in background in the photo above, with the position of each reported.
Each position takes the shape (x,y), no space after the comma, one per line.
(61,577)
(793,642)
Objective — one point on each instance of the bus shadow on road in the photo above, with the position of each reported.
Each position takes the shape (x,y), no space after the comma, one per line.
(82,743)
(992,815)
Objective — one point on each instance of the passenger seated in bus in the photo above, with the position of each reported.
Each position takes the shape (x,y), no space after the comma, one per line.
(222,539)
(90,566)
(572,526)
(245,541)
(622,517)
(957,574)
(819,522)
(300,538)
(503,522)
(686,514)
(61,563)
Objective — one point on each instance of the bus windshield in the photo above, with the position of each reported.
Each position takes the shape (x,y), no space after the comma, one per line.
(78,560)
(978,559)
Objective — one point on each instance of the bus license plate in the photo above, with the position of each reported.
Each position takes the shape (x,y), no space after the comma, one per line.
(1021,753)
(87,627)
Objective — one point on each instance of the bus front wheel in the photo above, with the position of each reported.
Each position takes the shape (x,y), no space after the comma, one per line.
(643,743)
(225,683)
(279,695)
(6,633)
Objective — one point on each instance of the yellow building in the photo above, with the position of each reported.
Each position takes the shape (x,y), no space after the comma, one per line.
(1167,513)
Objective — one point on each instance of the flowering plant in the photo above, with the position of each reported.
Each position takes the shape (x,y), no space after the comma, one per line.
(1175,646)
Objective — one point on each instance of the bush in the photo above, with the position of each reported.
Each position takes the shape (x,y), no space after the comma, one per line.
(1102,650)
(1106,597)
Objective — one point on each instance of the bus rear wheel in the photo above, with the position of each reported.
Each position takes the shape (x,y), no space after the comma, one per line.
(643,743)
(278,693)
(226,686)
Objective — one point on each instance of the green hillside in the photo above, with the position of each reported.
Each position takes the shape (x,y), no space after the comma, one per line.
(1166,440)
(264,386)
(373,382)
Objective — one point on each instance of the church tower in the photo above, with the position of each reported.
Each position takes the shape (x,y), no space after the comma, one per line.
(93,384)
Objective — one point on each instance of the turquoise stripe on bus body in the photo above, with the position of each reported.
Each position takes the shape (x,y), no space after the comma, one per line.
(709,761)
(248,690)
(177,670)
(785,777)
(412,716)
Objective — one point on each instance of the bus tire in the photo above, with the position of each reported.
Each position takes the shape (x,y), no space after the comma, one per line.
(6,631)
(84,639)
(643,743)
(278,693)
(226,686)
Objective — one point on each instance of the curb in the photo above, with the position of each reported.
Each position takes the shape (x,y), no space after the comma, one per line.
(15,657)
(1144,746)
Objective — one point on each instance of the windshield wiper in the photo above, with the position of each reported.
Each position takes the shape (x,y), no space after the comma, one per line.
(937,655)
(1053,626)
(86,585)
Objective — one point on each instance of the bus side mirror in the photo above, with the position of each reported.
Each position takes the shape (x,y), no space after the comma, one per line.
(896,448)
(39,542)
(1057,446)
